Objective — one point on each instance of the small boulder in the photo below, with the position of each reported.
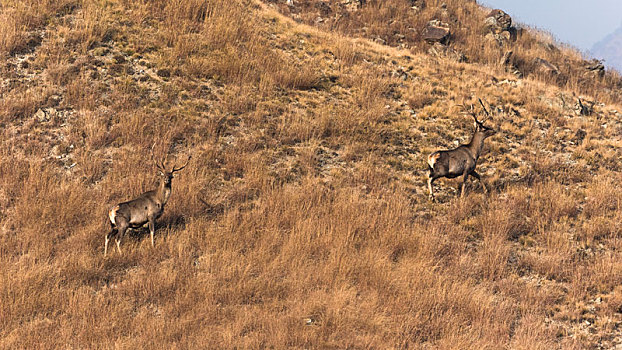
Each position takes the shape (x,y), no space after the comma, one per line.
(498,21)
(436,32)
(546,67)
(41,116)
(595,67)
(380,41)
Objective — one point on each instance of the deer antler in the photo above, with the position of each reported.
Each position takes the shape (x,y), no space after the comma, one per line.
(485,110)
(178,169)
(470,111)
(160,165)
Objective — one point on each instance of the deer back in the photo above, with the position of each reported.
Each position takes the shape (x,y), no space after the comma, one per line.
(139,210)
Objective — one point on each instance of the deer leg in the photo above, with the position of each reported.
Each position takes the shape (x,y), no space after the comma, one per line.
(430,181)
(109,235)
(465,177)
(152,229)
(106,245)
(121,229)
(479,178)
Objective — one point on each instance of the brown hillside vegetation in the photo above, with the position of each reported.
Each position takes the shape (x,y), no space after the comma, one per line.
(302,220)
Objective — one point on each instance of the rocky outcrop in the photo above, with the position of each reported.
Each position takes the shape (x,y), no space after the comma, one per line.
(498,21)
(499,29)
(546,67)
(436,32)
(594,67)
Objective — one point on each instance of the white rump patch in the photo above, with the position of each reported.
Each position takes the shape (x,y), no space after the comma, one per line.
(112,213)
(432,158)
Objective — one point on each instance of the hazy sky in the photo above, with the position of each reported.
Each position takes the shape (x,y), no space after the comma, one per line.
(580,23)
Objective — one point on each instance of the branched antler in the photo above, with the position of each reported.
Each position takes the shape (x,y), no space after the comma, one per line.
(178,169)
(485,110)
(159,165)
(471,112)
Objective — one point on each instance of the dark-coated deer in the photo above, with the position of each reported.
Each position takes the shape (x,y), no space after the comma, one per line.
(146,208)
(460,161)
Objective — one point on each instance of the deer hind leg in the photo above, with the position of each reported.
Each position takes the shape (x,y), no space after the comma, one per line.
(107,240)
(122,227)
(479,179)
(430,181)
(109,235)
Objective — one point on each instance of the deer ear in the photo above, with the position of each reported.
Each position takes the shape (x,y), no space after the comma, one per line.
(160,173)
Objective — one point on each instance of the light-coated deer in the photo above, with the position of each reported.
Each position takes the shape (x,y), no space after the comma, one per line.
(146,208)
(460,161)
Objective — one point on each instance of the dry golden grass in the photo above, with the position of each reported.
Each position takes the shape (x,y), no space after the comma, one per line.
(397,23)
(302,220)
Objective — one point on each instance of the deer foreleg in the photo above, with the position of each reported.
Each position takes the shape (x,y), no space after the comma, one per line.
(464,183)
(152,230)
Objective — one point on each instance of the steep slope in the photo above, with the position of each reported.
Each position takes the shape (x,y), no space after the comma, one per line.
(302,220)
(610,49)
(472,37)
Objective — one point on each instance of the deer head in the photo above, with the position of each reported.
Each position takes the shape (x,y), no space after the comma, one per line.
(167,175)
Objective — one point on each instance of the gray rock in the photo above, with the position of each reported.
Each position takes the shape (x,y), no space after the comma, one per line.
(498,21)
(380,41)
(436,32)
(41,116)
(547,67)
(595,67)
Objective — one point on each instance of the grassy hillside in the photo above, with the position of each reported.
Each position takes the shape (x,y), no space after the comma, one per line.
(302,220)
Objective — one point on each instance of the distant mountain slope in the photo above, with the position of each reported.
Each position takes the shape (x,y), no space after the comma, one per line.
(610,49)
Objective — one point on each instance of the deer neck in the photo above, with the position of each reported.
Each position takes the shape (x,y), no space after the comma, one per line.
(164,192)
(477,144)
